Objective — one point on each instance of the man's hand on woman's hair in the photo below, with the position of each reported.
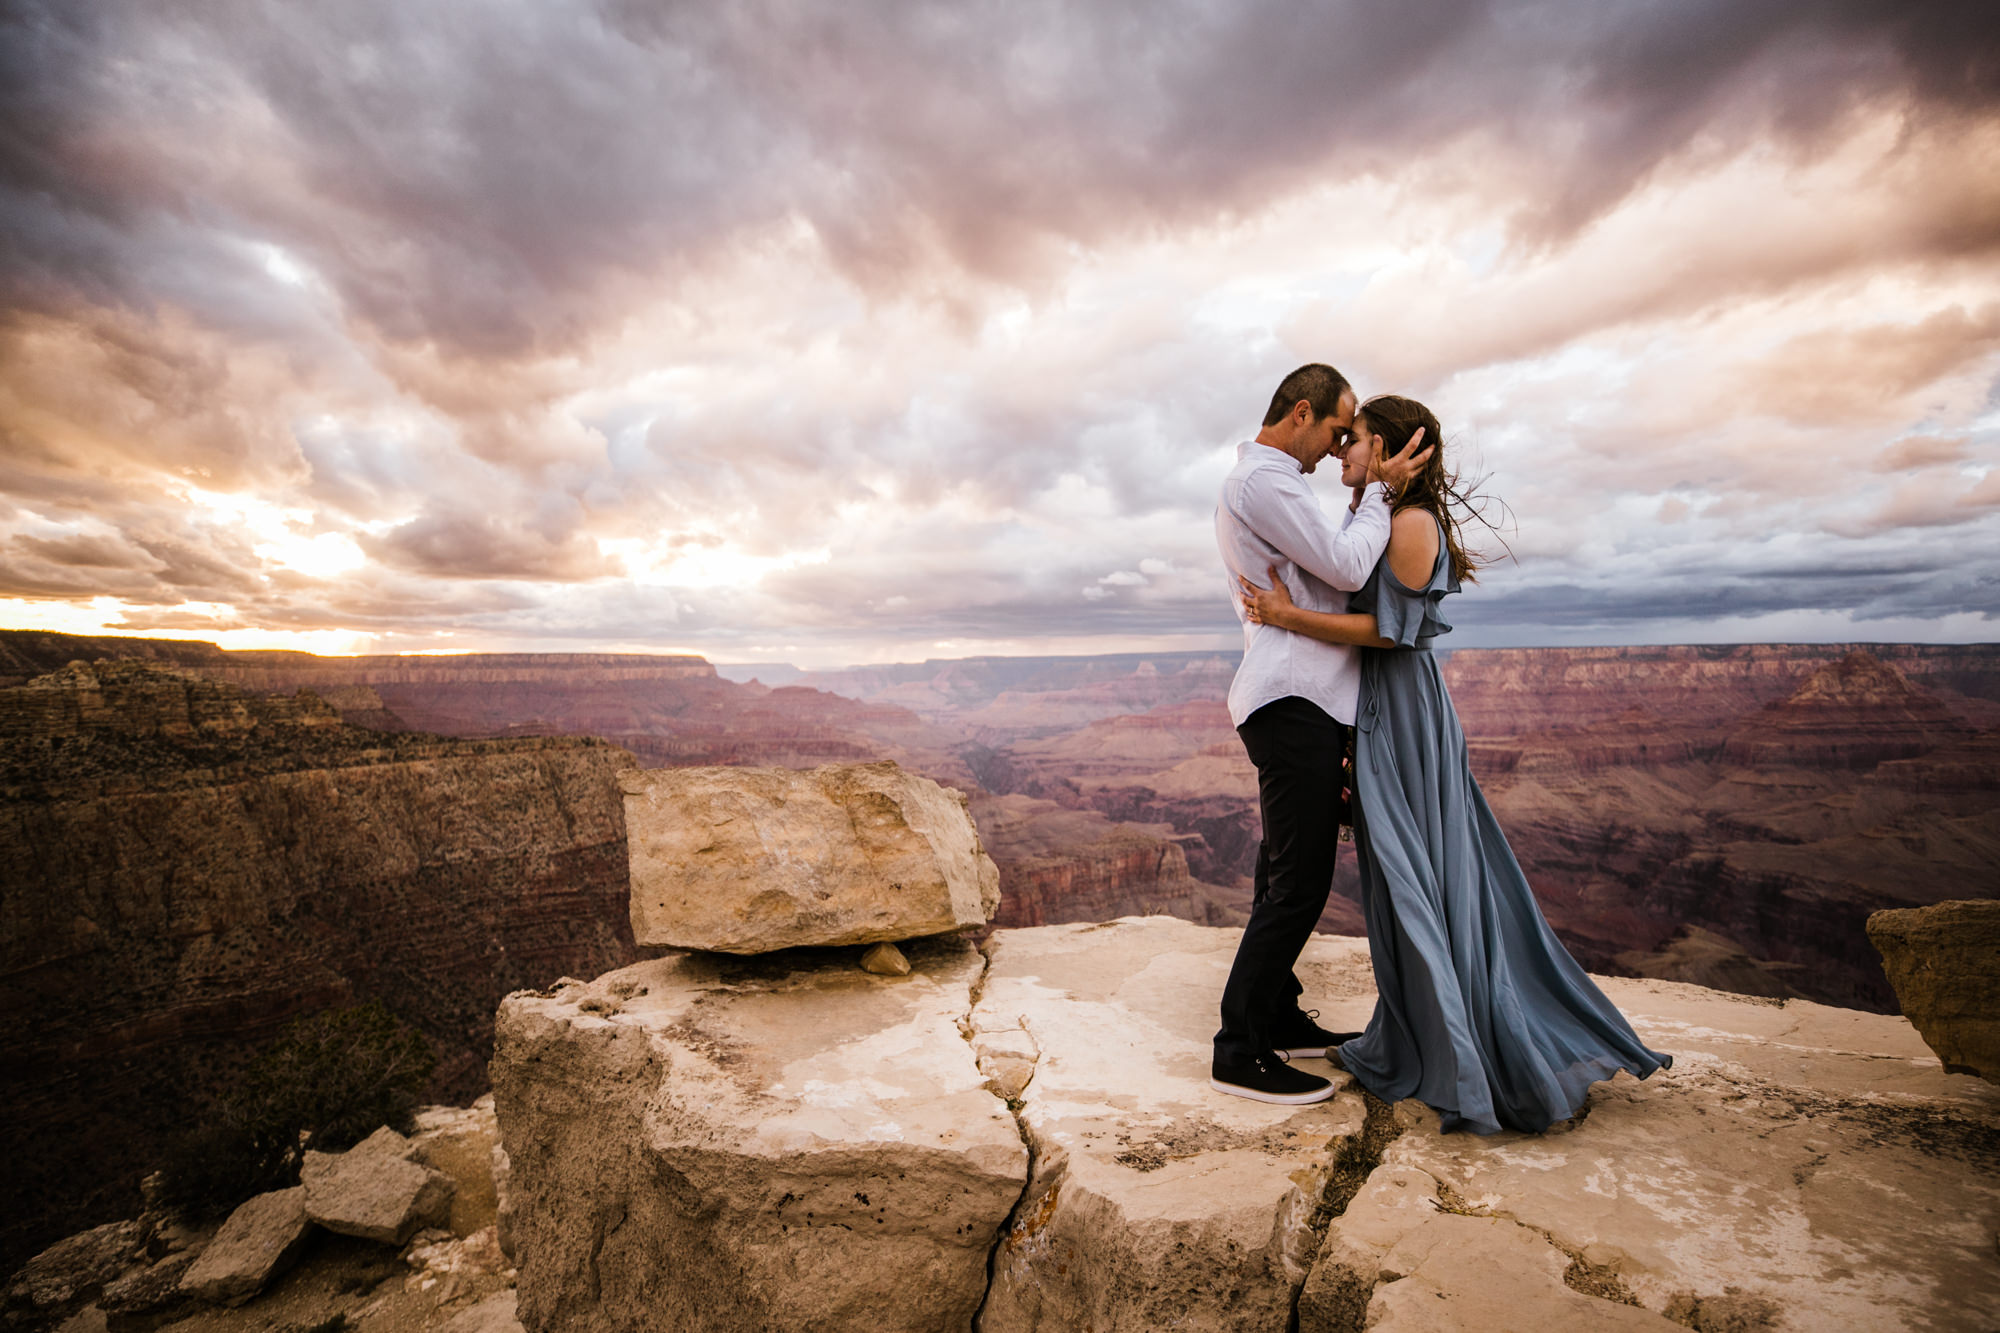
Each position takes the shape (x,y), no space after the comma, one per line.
(1397,472)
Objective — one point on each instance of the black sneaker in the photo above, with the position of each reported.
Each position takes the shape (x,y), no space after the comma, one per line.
(1267,1078)
(1301,1038)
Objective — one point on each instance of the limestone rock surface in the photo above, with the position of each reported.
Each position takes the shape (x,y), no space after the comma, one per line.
(748,860)
(1944,962)
(701,1142)
(837,1150)
(260,1239)
(1396,1262)
(1800,1167)
(1155,1202)
(373,1191)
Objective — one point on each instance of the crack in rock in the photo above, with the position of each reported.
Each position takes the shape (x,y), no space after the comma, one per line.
(988,1057)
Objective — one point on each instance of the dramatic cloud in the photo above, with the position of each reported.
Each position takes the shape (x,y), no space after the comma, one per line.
(773,330)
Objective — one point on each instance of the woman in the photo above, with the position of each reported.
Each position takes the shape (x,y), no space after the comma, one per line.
(1481,1012)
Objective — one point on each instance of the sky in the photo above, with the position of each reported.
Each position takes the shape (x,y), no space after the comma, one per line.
(821,334)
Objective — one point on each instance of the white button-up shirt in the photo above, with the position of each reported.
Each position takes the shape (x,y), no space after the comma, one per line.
(1269,515)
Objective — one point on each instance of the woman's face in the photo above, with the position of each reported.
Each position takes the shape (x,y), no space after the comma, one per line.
(1359,455)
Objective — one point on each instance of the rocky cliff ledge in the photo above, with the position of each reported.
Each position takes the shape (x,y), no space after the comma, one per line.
(187,866)
(1023,1138)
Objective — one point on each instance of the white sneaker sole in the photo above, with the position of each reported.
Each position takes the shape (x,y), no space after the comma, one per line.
(1304,1052)
(1275,1098)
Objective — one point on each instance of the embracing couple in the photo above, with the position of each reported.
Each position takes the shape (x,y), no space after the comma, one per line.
(1481,1012)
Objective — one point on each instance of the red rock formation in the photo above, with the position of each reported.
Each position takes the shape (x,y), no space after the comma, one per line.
(998,700)
(1854,713)
(1510,691)
(1059,865)
(1769,796)
(669,711)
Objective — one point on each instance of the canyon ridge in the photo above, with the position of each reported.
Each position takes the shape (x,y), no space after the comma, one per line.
(208,843)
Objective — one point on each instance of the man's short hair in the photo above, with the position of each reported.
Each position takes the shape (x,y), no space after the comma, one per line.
(1320,386)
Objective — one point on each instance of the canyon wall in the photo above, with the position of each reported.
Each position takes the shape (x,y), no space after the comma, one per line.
(1062,865)
(188,866)
(1726,816)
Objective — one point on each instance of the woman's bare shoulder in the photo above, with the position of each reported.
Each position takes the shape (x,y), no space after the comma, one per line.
(1413,546)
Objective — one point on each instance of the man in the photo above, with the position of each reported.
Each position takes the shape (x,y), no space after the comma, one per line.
(1292,703)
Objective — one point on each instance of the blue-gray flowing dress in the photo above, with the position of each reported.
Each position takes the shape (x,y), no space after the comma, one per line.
(1481,1012)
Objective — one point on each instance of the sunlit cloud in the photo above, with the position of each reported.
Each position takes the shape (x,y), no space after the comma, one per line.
(780,332)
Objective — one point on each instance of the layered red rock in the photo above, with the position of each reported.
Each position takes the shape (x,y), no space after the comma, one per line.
(1854,713)
(1647,792)
(1058,864)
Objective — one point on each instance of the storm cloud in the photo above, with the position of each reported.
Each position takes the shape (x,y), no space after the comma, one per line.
(769,329)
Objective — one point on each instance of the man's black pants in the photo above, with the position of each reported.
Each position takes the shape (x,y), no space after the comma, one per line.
(1297,749)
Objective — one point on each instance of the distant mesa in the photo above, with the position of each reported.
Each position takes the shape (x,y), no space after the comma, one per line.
(1855,713)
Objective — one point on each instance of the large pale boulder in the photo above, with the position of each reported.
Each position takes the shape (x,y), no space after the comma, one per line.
(702,1142)
(259,1241)
(749,860)
(1156,1202)
(1944,962)
(373,1191)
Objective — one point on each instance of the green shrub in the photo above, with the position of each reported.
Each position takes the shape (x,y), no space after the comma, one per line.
(327,1082)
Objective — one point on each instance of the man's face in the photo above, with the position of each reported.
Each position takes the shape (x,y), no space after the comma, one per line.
(1328,434)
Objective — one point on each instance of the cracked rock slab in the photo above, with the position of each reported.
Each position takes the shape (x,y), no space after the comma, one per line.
(1155,1201)
(701,1142)
(751,860)
(1395,1261)
(1814,1167)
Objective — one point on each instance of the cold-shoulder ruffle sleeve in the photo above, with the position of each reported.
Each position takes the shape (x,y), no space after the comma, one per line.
(1405,616)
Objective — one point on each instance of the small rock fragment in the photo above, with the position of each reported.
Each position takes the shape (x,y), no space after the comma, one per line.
(260,1239)
(885,960)
(374,1195)
(503,1207)
(1007,1075)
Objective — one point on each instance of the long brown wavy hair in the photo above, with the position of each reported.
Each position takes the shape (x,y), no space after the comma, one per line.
(1437,490)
